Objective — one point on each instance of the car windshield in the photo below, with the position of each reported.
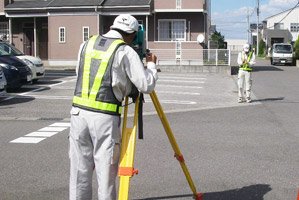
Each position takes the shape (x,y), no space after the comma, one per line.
(9,49)
(283,49)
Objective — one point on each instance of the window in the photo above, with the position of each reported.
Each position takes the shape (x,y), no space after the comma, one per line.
(294,27)
(172,30)
(4,31)
(178,4)
(62,35)
(278,26)
(85,33)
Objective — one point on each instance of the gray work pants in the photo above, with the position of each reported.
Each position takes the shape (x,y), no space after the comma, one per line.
(244,78)
(94,143)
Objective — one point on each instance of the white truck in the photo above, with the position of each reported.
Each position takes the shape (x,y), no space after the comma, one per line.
(282,53)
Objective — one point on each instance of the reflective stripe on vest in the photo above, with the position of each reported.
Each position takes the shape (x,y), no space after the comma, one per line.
(89,99)
(245,67)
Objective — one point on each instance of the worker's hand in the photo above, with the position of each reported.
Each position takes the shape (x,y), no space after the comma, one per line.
(150,57)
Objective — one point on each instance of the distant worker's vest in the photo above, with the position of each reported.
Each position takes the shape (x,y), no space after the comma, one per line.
(94,84)
(245,66)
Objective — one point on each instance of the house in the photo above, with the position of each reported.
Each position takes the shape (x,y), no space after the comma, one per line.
(235,45)
(54,29)
(281,27)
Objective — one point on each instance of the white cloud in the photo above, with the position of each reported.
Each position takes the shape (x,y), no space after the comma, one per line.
(233,23)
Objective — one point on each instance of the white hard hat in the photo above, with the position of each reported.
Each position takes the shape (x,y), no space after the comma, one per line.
(246,47)
(126,23)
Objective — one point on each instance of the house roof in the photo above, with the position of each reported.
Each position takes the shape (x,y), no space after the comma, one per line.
(126,2)
(62,3)
(297,7)
(29,4)
(74,3)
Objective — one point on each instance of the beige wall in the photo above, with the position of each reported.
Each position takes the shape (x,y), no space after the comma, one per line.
(186,4)
(192,4)
(73,26)
(1,7)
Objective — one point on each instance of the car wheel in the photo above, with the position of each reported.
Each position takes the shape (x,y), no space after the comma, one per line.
(34,80)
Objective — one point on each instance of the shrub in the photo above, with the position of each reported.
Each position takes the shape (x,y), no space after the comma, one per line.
(296,55)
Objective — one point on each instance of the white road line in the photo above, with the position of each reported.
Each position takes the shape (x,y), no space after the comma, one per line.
(179,86)
(61,124)
(53,129)
(180,93)
(174,102)
(183,75)
(188,78)
(179,81)
(32,140)
(41,134)
(38,89)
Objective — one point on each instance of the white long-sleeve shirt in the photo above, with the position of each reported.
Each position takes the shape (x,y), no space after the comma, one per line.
(242,55)
(126,68)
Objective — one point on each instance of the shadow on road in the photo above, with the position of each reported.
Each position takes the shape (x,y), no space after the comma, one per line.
(265,68)
(251,192)
(14,99)
(268,99)
(235,69)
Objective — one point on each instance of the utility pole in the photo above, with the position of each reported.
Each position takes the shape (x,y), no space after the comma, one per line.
(257,27)
(248,26)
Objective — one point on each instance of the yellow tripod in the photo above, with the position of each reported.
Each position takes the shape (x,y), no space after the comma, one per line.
(126,167)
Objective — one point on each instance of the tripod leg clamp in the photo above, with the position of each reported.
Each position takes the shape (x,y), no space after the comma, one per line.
(199,196)
(179,158)
(126,171)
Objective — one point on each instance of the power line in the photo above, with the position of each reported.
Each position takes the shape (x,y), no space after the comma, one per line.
(286,14)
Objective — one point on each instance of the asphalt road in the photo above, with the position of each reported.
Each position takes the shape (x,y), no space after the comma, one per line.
(233,151)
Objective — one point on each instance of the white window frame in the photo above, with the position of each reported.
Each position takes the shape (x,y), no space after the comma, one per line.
(83,33)
(172,20)
(62,39)
(4,32)
(178,4)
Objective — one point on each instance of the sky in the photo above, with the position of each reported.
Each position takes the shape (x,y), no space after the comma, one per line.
(230,16)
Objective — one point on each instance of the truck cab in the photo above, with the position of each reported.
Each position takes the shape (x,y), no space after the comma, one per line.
(282,53)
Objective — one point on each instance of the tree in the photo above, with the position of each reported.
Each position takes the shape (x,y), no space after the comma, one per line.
(297,49)
(262,48)
(218,37)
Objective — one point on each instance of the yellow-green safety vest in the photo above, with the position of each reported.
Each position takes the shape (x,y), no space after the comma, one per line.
(97,57)
(245,66)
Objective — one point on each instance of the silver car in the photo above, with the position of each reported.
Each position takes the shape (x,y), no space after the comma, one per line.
(36,65)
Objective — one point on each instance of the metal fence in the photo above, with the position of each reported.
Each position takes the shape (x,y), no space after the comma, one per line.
(201,57)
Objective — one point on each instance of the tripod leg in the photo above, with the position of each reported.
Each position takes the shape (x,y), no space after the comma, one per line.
(174,145)
(125,169)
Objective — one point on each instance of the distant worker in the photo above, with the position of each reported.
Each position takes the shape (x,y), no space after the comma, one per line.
(246,59)
(107,71)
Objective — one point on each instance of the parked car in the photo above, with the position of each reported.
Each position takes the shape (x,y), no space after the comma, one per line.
(3,82)
(15,70)
(36,65)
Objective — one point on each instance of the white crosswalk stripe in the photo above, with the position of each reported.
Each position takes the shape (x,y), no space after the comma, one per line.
(43,133)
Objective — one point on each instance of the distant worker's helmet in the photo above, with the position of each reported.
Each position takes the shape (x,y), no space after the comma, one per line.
(246,47)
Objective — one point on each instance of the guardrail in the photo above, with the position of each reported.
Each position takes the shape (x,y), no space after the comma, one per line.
(199,57)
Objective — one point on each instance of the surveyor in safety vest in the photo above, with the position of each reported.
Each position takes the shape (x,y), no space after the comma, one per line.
(107,70)
(246,59)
